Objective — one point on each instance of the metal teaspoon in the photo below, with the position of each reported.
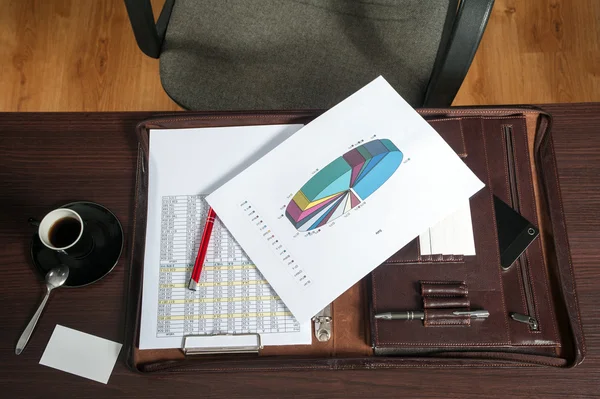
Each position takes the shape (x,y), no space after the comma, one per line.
(54,279)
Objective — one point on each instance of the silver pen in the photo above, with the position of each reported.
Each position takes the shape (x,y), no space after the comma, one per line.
(418,315)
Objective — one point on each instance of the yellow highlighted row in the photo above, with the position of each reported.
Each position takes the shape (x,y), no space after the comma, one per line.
(224,315)
(189,269)
(214,284)
(211,300)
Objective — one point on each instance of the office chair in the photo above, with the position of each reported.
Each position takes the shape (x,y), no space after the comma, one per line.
(295,54)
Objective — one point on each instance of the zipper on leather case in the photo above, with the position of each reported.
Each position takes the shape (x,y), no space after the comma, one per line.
(521,318)
(521,262)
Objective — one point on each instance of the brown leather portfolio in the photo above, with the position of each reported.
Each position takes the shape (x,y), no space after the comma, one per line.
(533,310)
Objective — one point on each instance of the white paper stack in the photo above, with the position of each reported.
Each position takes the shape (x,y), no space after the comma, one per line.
(451,236)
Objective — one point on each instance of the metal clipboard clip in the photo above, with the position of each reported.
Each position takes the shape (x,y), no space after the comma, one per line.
(222,343)
(323,323)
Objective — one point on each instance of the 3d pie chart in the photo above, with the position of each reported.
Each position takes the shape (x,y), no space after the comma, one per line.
(343,184)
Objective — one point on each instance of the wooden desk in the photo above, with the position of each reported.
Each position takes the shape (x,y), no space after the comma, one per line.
(49,159)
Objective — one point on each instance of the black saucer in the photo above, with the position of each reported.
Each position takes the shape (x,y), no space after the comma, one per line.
(107,234)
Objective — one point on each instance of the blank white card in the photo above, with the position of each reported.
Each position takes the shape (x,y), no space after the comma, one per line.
(81,354)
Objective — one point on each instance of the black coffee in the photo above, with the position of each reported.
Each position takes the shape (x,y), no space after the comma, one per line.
(64,232)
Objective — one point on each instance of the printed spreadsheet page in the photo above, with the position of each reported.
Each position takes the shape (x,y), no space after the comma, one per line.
(342,195)
(232,297)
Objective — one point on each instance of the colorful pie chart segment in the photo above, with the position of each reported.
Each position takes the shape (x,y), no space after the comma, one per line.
(343,184)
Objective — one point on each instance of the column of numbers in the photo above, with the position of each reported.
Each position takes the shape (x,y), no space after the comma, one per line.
(232,296)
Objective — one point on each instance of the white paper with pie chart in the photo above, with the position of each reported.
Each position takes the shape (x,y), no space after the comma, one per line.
(340,196)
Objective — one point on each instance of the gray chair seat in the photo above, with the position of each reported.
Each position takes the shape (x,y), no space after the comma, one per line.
(278,54)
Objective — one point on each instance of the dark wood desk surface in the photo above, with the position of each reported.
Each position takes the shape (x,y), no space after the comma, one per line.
(50,159)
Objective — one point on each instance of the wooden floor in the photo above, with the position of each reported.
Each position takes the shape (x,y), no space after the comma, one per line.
(80,55)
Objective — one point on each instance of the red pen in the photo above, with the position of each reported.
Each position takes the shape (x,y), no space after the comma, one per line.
(210,221)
